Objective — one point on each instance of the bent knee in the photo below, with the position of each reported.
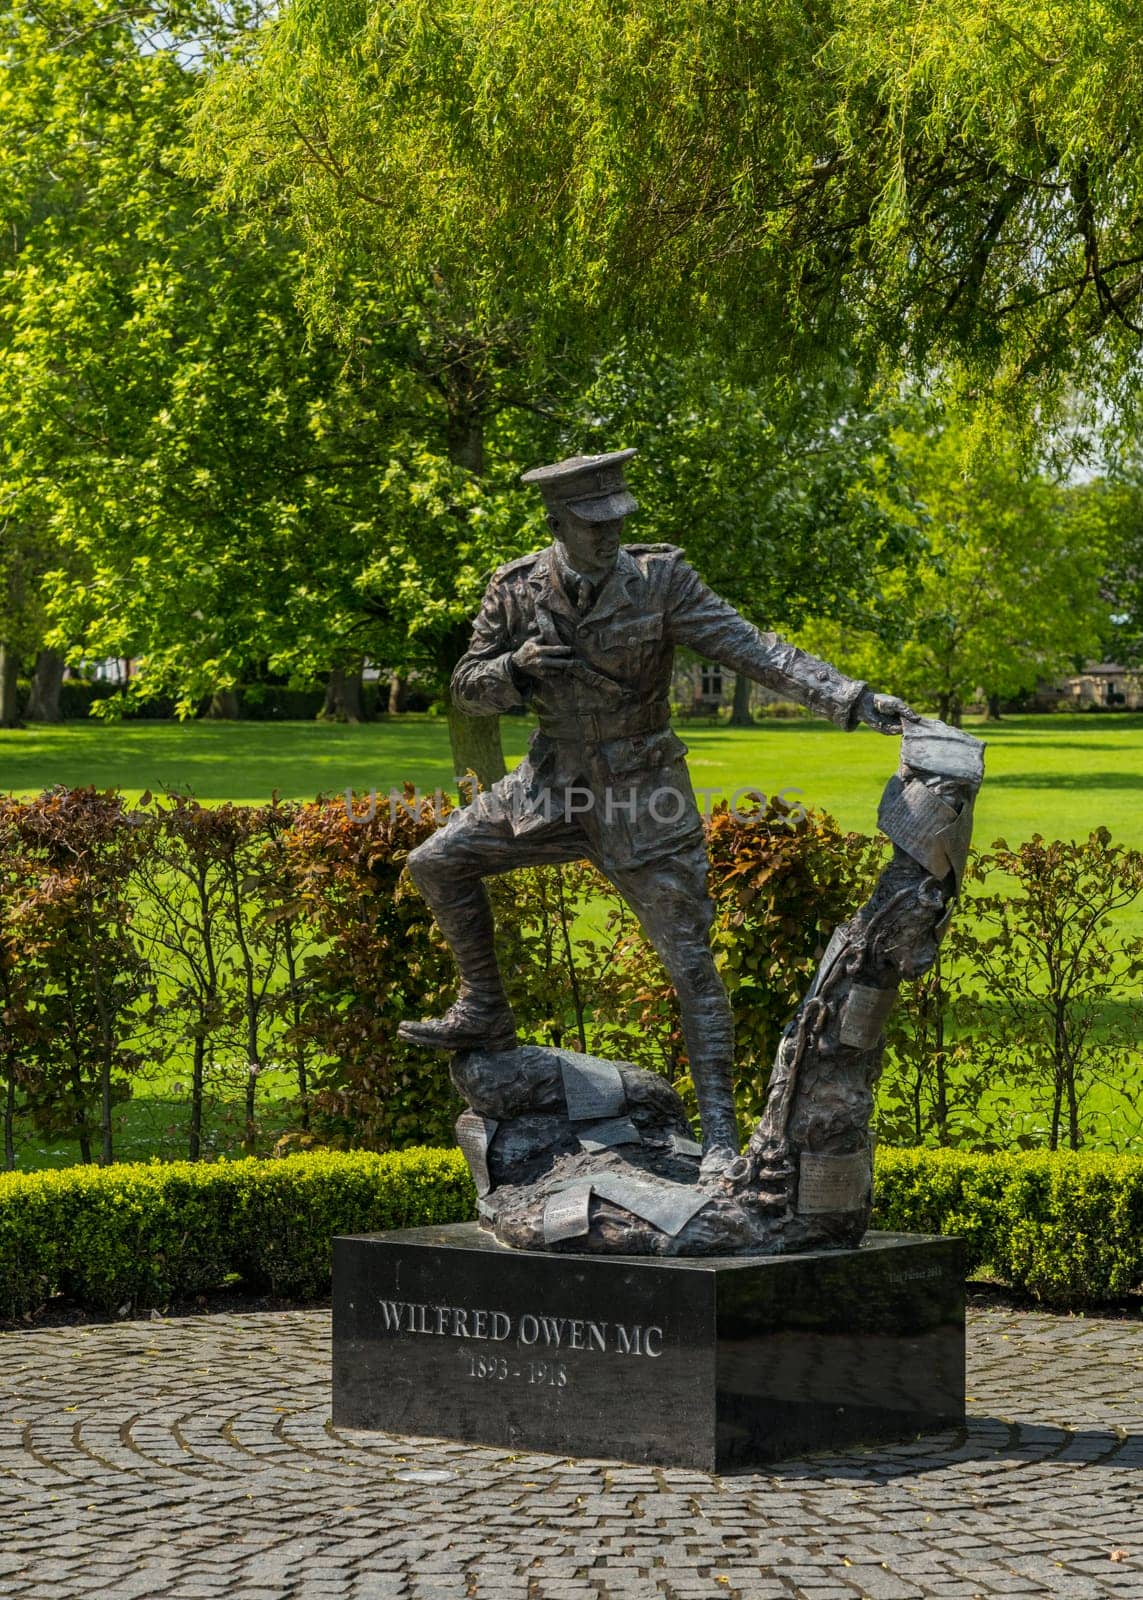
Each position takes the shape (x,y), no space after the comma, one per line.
(432,864)
(424,862)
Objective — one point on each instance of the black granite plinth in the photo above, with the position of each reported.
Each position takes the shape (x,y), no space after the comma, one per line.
(718,1363)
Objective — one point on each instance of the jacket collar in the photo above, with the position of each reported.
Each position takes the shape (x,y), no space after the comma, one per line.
(545,578)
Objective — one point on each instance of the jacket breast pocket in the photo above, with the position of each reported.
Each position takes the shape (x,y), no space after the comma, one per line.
(631,633)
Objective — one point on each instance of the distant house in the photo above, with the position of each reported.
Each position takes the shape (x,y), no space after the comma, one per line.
(1103,684)
(701,688)
(112,669)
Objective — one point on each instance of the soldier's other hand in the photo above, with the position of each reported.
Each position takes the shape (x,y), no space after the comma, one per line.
(540,660)
(884,712)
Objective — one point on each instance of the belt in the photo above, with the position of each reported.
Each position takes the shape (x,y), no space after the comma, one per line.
(597,727)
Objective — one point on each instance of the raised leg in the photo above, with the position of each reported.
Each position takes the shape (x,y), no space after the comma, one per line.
(449,870)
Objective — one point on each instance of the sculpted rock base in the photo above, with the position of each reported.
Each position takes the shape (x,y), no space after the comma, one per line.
(573,1153)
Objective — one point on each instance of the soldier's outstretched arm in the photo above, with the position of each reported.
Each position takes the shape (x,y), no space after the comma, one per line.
(484,681)
(702,620)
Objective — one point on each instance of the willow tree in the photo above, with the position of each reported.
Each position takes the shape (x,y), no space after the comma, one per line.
(951,186)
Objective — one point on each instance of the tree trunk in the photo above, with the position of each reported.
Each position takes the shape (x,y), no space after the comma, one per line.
(993,708)
(293,989)
(398,694)
(476,747)
(466,443)
(44,701)
(107,1052)
(740,715)
(82,1132)
(224,706)
(569,957)
(250,1139)
(106,1148)
(353,694)
(9,705)
(10,1125)
(344,695)
(939,1056)
(194,1139)
(475,741)
(1073,1108)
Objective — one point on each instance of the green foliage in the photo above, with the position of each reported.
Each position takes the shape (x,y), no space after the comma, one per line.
(132,1236)
(290,935)
(788,496)
(192,468)
(1010,588)
(286,1212)
(1066,1228)
(1043,952)
(377,958)
(245,938)
(229,938)
(932,1083)
(87,118)
(1033,998)
(1117,504)
(204,885)
(950,185)
(563,934)
(73,981)
(781,881)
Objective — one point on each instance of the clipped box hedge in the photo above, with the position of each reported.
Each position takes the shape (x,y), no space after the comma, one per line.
(141,1235)
(1066,1228)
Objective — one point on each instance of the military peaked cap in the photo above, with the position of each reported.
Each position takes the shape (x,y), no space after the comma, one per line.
(592,487)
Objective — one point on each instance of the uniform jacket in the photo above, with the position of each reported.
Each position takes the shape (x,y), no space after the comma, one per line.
(605,722)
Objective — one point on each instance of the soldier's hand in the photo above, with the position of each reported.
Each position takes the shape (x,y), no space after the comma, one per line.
(884,712)
(540,660)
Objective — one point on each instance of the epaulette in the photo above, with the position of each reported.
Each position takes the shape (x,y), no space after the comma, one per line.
(518,565)
(653,549)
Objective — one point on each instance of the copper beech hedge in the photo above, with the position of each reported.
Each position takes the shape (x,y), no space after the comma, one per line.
(226,939)
(210,943)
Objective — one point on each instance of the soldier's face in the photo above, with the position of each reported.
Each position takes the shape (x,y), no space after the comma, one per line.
(589,547)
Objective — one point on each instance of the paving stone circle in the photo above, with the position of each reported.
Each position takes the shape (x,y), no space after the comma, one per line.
(193,1459)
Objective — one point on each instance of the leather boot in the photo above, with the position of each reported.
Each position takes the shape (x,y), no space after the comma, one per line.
(475,1021)
(480,1018)
(720,1143)
(708,1028)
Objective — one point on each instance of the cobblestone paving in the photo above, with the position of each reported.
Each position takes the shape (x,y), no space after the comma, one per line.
(193,1460)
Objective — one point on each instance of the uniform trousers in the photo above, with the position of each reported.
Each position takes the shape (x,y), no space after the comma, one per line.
(668,895)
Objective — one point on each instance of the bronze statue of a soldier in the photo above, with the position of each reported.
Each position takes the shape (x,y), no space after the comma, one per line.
(585,632)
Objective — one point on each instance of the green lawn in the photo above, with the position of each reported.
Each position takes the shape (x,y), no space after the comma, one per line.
(155,1120)
(1060,775)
